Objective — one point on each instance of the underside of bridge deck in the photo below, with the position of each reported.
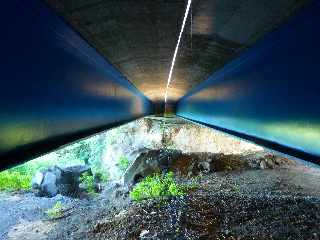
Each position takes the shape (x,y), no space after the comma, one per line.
(139,37)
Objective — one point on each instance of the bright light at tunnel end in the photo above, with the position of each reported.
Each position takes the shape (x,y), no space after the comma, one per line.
(177,48)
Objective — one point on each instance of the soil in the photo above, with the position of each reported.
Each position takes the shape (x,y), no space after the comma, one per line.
(21,212)
(281,203)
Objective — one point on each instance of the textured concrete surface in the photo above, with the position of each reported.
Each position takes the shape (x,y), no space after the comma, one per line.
(139,37)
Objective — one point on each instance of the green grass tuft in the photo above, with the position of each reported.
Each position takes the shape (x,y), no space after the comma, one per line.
(55,211)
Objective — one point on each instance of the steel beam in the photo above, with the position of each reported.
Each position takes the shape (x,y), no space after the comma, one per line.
(270,94)
(54,87)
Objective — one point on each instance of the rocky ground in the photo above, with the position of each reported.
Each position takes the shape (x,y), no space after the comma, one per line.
(243,191)
(22,214)
(282,203)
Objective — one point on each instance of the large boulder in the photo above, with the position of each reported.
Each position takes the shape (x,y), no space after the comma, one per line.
(150,162)
(193,164)
(68,183)
(56,180)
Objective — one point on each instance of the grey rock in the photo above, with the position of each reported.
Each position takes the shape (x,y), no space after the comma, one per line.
(37,180)
(48,186)
(149,162)
(204,166)
(56,180)
(56,171)
(263,164)
(77,169)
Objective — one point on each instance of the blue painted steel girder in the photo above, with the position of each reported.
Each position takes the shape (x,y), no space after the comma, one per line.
(269,94)
(54,87)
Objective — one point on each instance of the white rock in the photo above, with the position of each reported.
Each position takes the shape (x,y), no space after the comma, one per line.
(37,179)
(121,214)
(143,233)
(263,165)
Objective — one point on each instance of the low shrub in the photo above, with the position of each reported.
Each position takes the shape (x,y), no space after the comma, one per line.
(103,176)
(88,181)
(123,163)
(13,181)
(55,211)
(157,186)
(194,183)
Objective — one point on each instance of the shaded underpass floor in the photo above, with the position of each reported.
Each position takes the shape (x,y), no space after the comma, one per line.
(253,204)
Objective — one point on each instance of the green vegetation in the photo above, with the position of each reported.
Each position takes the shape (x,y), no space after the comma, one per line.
(123,163)
(102,176)
(12,181)
(194,183)
(235,188)
(170,145)
(88,181)
(55,211)
(87,151)
(157,186)
(163,127)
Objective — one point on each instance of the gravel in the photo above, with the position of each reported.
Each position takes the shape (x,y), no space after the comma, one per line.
(279,203)
(24,207)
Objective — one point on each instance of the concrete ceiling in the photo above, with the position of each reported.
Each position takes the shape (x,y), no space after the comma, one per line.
(139,36)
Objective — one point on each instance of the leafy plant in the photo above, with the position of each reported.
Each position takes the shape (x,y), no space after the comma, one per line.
(157,186)
(170,145)
(194,183)
(102,175)
(163,127)
(123,163)
(55,211)
(235,188)
(88,181)
(13,180)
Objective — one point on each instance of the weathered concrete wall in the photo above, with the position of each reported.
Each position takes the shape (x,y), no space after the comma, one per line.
(146,134)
